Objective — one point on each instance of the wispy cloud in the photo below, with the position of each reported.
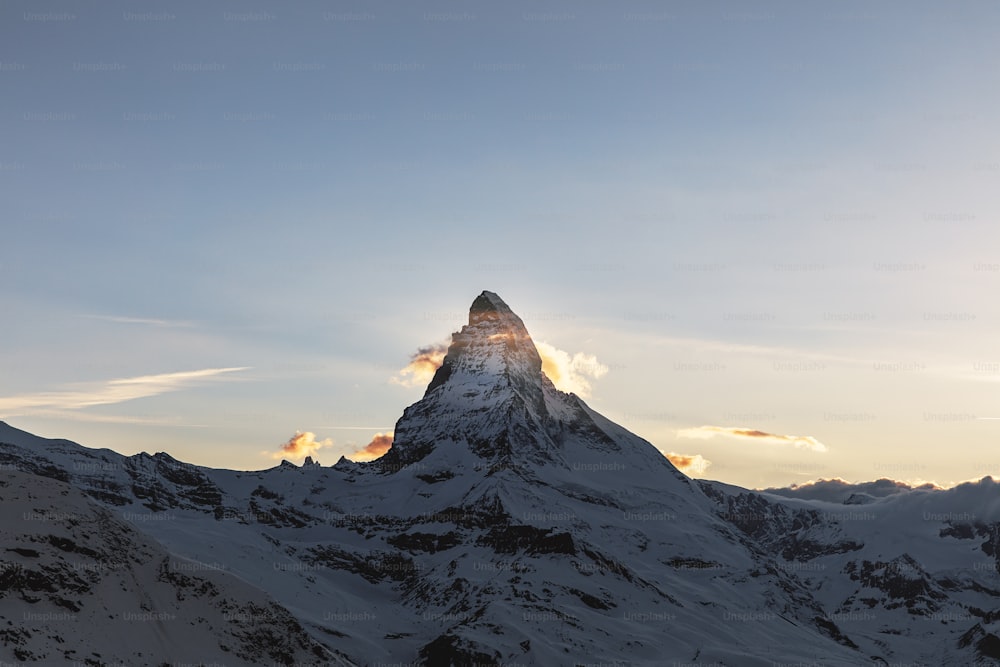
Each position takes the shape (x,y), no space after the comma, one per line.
(689,464)
(938,365)
(109,392)
(799,441)
(80,416)
(772,352)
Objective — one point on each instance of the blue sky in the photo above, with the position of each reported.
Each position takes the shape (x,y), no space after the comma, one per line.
(778,217)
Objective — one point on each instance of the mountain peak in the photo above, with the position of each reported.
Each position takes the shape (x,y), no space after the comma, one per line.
(493,346)
(490,378)
(491,400)
(489,306)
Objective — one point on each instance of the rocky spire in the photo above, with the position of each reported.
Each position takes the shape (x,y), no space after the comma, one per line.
(489,385)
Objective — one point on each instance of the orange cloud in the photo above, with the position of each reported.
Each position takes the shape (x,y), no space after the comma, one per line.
(422,365)
(799,441)
(570,373)
(300,446)
(379,445)
(694,464)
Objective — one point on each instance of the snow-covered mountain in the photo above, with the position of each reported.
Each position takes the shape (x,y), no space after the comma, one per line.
(79,585)
(510,524)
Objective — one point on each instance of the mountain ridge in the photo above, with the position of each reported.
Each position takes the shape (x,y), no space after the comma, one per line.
(516,525)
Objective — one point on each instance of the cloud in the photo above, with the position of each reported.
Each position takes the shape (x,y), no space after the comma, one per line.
(422,365)
(109,392)
(300,446)
(570,373)
(799,441)
(768,352)
(78,416)
(379,445)
(689,464)
(838,490)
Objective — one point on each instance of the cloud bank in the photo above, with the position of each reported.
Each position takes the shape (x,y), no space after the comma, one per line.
(841,491)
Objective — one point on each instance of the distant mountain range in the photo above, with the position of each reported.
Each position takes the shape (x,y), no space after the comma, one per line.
(509,524)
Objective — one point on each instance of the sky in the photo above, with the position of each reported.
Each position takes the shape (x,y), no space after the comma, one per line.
(762,236)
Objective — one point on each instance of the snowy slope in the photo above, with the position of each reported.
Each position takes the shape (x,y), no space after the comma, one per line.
(512,524)
(911,576)
(78,584)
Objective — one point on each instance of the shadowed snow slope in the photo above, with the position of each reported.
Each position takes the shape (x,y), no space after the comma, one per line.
(79,585)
